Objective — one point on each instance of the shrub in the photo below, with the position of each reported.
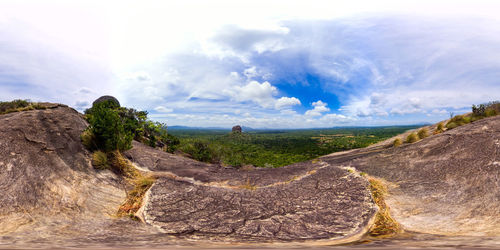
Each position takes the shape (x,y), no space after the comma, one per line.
(200,151)
(108,129)
(7,107)
(100,160)
(397,142)
(413,137)
(491,112)
(458,120)
(422,133)
(18,105)
(478,110)
(451,125)
(88,139)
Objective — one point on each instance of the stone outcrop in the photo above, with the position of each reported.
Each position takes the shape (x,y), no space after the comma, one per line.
(236,129)
(446,184)
(106,98)
(301,201)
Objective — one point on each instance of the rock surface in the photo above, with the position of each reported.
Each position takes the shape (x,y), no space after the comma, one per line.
(447,184)
(301,201)
(49,188)
(106,98)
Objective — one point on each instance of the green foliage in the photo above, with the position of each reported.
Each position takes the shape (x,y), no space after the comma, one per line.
(108,127)
(458,120)
(451,125)
(114,127)
(413,137)
(17,106)
(88,139)
(422,133)
(485,110)
(267,148)
(200,150)
(100,160)
(397,142)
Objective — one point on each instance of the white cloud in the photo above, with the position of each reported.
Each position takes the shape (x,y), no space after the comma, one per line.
(259,93)
(163,109)
(81,105)
(319,107)
(250,72)
(285,102)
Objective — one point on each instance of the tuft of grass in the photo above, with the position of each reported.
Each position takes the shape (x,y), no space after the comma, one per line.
(248,186)
(384,224)
(140,183)
(491,112)
(100,160)
(458,120)
(122,166)
(422,133)
(397,142)
(18,106)
(439,128)
(451,125)
(135,196)
(88,139)
(363,174)
(413,137)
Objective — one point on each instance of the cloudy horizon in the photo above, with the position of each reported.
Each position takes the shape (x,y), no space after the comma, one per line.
(260,64)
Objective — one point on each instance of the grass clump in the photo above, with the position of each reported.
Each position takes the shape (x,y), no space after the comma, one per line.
(397,142)
(422,133)
(100,160)
(439,128)
(457,121)
(248,185)
(88,139)
(413,137)
(384,224)
(18,106)
(135,196)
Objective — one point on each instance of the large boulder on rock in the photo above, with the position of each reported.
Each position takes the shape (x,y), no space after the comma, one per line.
(236,129)
(106,98)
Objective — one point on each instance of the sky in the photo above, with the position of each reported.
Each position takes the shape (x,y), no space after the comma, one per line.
(260,64)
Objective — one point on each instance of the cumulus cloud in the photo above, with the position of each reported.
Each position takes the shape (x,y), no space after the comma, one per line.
(259,93)
(319,107)
(285,102)
(162,109)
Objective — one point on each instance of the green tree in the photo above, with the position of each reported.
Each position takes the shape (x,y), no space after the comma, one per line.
(108,127)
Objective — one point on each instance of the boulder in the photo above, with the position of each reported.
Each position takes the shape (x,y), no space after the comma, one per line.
(237,128)
(106,98)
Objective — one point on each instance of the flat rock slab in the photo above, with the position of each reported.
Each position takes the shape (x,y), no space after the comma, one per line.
(446,184)
(310,200)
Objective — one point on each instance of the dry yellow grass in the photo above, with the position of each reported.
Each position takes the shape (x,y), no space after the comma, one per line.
(248,186)
(135,196)
(384,224)
(140,183)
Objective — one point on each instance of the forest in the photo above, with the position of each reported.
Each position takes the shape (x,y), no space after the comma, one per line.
(275,148)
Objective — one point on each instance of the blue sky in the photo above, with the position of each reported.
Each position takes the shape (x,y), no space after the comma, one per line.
(262,64)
